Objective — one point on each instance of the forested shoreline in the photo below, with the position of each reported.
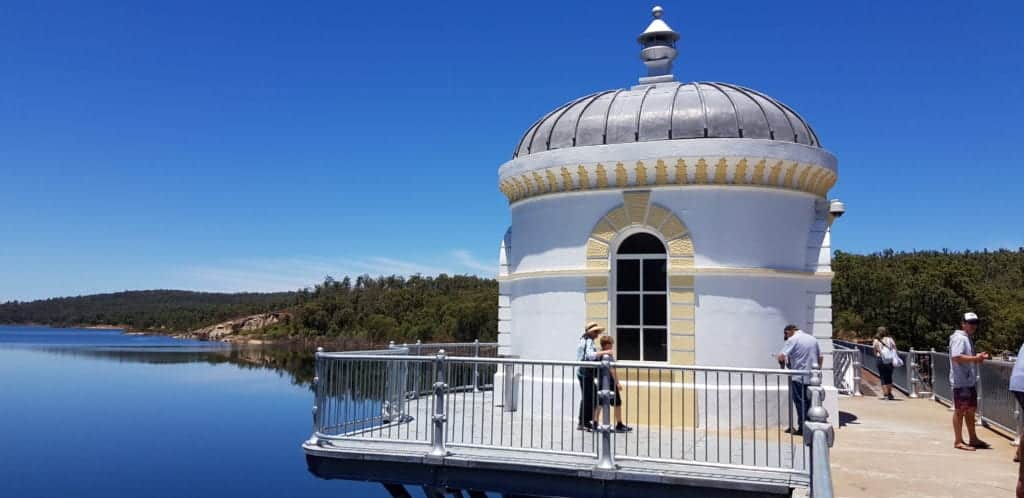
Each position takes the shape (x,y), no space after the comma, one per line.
(917,295)
(364,309)
(920,296)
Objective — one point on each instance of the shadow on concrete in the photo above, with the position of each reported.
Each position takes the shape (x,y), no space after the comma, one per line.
(847,418)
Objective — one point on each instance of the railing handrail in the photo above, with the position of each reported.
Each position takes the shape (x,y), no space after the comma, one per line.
(518,361)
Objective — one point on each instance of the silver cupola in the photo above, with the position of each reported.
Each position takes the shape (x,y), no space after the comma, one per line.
(659,49)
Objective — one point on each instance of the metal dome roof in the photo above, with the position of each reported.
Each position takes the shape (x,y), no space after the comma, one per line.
(666,111)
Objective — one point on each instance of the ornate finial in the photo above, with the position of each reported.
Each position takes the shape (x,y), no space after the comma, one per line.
(659,49)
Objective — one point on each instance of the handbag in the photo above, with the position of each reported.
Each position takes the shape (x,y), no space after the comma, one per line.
(896,360)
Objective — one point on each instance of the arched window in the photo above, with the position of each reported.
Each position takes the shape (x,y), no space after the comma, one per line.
(641,299)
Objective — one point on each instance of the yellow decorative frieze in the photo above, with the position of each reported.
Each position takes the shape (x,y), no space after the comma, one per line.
(721,169)
(584,177)
(602,177)
(758,177)
(702,172)
(766,173)
(621,177)
(641,173)
(660,173)
(740,175)
(682,177)
(552,181)
(567,180)
(787,182)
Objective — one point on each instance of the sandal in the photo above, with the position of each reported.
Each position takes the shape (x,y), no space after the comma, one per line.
(963,446)
(981,445)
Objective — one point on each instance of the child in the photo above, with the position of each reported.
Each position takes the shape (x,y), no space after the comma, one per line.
(607,347)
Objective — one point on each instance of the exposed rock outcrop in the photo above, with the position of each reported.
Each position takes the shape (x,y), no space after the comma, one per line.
(224,331)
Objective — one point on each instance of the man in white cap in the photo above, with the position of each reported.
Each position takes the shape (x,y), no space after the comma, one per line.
(963,378)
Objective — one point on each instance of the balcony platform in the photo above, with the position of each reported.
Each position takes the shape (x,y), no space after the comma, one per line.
(533,473)
(522,454)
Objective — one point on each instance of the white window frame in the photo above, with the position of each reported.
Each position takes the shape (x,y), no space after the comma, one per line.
(615,292)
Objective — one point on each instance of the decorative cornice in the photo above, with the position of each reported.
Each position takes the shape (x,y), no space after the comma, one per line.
(689,171)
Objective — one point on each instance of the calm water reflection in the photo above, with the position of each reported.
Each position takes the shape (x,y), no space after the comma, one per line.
(90,413)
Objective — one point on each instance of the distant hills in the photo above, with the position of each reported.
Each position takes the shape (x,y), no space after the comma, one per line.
(442,308)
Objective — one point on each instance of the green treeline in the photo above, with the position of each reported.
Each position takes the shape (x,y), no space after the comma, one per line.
(151,310)
(443,308)
(920,296)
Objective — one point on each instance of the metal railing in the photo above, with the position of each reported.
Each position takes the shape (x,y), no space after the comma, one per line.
(926,374)
(732,418)
(846,367)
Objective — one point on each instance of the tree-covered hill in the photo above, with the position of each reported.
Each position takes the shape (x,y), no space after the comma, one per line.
(439,308)
(920,296)
(149,310)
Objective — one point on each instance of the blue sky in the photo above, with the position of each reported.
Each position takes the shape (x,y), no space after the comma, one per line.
(259,146)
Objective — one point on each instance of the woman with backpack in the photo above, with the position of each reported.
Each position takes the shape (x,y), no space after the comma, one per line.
(885,352)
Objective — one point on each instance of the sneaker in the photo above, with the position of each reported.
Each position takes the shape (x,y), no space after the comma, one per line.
(588,427)
(891,397)
(620,427)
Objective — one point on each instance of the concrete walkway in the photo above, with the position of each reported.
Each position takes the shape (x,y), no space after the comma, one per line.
(904,448)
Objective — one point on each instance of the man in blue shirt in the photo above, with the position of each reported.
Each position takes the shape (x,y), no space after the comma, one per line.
(963,377)
(799,353)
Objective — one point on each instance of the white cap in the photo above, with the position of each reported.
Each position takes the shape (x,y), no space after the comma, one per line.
(970,317)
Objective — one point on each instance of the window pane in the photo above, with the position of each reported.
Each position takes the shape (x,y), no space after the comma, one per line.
(654,274)
(642,243)
(627,310)
(655,344)
(655,312)
(627,276)
(627,341)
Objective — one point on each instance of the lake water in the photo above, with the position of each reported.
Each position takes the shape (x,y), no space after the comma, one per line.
(97,413)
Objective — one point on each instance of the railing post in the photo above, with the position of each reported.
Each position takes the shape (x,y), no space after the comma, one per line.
(419,347)
(437,442)
(605,458)
(911,373)
(318,394)
(818,437)
(1017,417)
(931,360)
(980,414)
(856,373)
(476,366)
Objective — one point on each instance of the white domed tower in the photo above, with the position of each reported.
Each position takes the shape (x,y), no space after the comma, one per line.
(690,219)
